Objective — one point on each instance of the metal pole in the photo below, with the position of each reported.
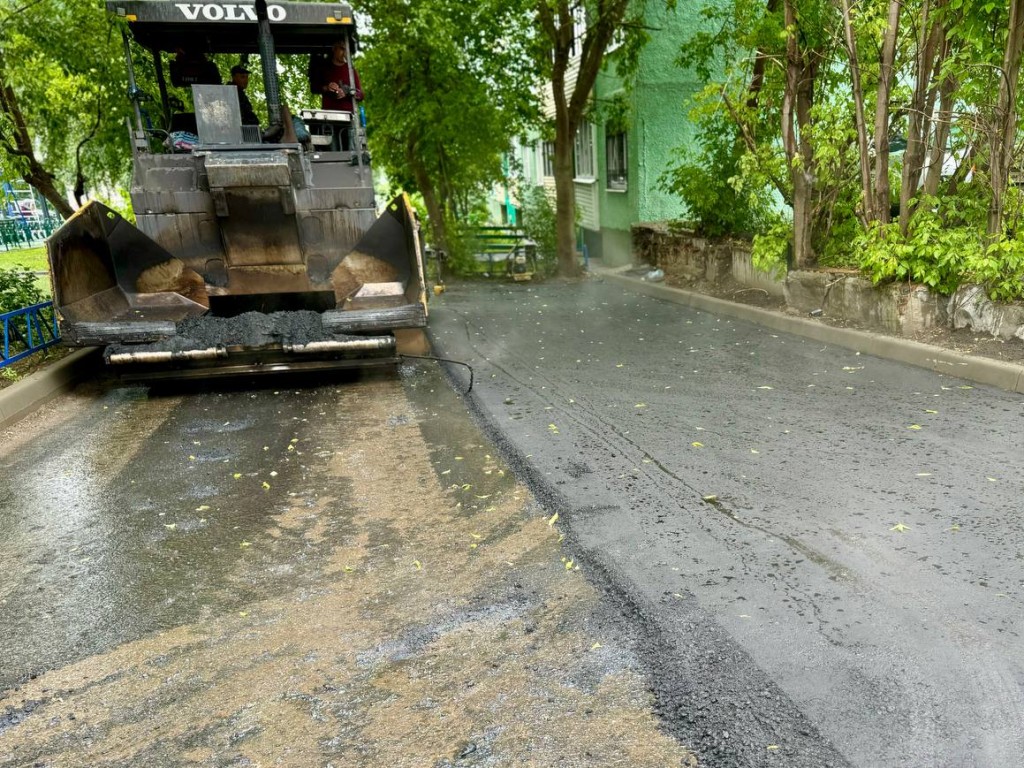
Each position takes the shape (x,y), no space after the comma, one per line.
(357,134)
(133,89)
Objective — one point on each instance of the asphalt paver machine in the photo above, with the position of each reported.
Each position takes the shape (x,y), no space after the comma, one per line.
(251,250)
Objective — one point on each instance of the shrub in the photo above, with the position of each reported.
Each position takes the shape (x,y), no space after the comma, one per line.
(18,289)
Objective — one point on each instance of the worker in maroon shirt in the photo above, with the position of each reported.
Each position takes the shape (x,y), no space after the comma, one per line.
(336,90)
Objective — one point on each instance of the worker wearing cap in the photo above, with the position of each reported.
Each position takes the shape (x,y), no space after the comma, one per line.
(240,79)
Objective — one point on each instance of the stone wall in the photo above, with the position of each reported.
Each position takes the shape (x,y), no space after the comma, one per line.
(843,295)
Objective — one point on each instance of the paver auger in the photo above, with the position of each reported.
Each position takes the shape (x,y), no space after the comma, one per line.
(252,251)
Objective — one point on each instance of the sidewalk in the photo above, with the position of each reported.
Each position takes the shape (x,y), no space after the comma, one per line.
(1004,375)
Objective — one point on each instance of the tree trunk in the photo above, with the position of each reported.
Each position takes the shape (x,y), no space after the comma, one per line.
(438,228)
(882,202)
(860,120)
(565,204)
(943,123)
(1005,129)
(798,97)
(922,107)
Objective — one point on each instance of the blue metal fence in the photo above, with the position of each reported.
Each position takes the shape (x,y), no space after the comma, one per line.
(28,330)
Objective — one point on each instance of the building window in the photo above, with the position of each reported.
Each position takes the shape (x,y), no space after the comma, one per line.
(617,157)
(583,149)
(579,29)
(548,153)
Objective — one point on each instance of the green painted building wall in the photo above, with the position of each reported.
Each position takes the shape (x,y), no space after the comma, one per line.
(658,123)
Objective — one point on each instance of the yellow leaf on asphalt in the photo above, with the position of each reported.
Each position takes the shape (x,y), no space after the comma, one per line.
(965,387)
(202,508)
(568,565)
(266,486)
(466,486)
(595,646)
(458,458)
(273,473)
(474,545)
(237,475)
(170,526)
(294,440)
(991,479)
(619,365)
(773,747)
(348,569)
(914,426)
(446,472)
(419,566)
(640,405)
(924,474)
(754,450)
(245,544)
(929,410)
(900,528)
(191,458)
(476,535)
(266,447)
(695,444)
(765,387)
(291,447)
(552,519)
(485,496)
(955,527)
(243,614)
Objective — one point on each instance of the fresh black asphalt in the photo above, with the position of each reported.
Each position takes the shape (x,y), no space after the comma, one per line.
(820,552)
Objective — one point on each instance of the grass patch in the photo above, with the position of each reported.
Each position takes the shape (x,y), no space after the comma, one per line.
(33,259)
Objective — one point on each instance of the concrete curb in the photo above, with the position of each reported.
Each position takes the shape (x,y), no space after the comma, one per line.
(19,400)
(978,369)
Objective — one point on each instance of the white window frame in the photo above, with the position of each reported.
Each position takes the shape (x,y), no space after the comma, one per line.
(617,145)
(584,160)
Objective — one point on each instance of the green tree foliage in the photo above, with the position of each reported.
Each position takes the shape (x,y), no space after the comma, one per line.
(814,99)
(447,83)
(62,97)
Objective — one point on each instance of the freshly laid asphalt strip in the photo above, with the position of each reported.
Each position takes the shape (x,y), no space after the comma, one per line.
(821,549)
(983,370)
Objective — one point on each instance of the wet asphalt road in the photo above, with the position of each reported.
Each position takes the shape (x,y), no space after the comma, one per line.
(824,550)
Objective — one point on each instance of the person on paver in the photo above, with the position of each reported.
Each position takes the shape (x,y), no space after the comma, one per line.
(331,79)
(240,79)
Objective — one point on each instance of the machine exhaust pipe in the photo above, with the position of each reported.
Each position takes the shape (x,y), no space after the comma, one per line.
(271,85)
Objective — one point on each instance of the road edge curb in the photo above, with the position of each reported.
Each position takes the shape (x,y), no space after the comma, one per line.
(35,390)
(981,370)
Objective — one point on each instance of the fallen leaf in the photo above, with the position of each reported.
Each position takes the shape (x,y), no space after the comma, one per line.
(191,458)
(773,747)
(245,544)
(765,387)
(991,479)
(964,386)
(458,458)
(243,614)
(595,646)
(419,566)
(900,528)
(914,426)
(710,498)
(348,569)
(568,565)
(202,508)
(476,535)
(552,519)
(640,405)
(273,473)
(754,450)
(170,526)
(955,527)
(619,365)
(485,496)
(929,410)
(266,486)
(446,472)
(695,444)
(237,475)
(924,474)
